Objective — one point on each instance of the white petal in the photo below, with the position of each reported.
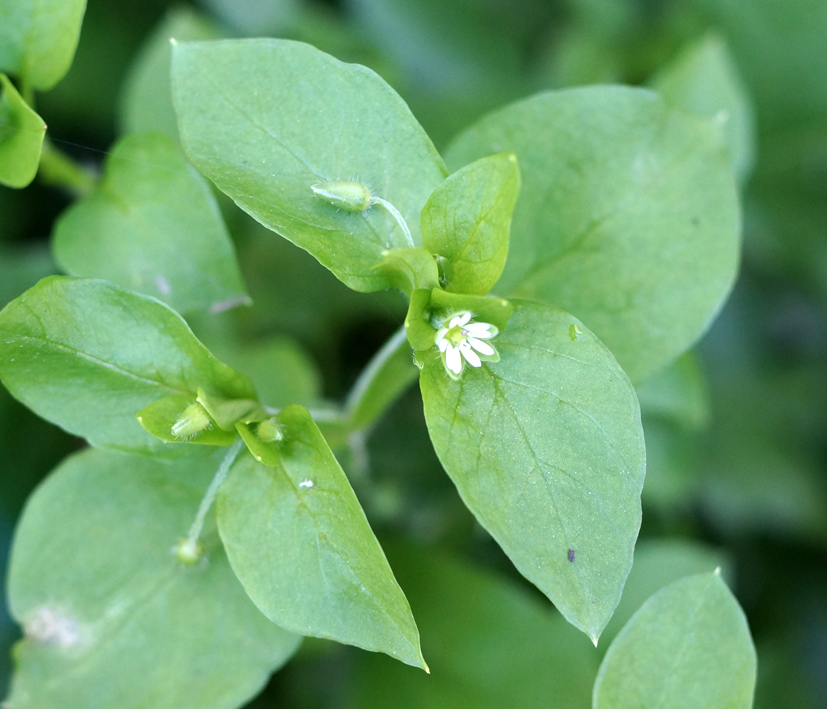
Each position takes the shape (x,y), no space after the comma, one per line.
(453,360)
(481,329)
(480,346)
(440,334)
(461,319)
(470,355)
(443,345)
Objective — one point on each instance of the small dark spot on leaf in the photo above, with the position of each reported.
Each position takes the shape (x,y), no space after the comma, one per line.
(571,555)
(696,221)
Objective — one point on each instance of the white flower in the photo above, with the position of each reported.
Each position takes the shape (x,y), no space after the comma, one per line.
(461,340)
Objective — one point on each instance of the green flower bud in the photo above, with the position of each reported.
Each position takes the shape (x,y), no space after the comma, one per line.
(192,421)
(352,197)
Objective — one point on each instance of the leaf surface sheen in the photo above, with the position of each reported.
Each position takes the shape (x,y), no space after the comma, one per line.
(299,541)
(267,119)
(89,356)
(628,215)
(546,449)
(466,222)
(152,226)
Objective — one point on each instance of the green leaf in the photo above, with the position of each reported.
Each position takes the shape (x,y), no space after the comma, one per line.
(161,417)
(688,646)
(490,643)
(428,307)
(111,619)
(153,226)
(257,17)
(38,39)
(659,562)
(704,79)
(282,372)
(409,270)
(489,309)
(301,546)
(265,449)
(466,223)
(266,120)
(678,393)
(21,137)
(21,267)
(146,101)
(546,449)
(628,215)
(88,357)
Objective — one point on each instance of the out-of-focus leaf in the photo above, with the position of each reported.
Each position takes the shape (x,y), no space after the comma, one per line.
(489,644)
(21,268)
(628,215)
(677,393)
(704,79)
(257,18)
(38,39)
(657,564)
(152,226)
(146,98)
(687,647)
(111,618)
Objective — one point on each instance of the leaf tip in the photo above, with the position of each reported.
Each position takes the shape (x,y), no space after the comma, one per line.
(173,41)
(594,639)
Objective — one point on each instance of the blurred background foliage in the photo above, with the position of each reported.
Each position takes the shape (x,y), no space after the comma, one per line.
(736,431)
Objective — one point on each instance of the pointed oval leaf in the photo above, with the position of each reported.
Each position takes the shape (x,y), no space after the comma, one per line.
(266,120)
(89,356)
(21,137)
(152,226)
(38,39)
(546,449)
(659,562)
(111,618)
(299,542)
(146,101)
(688,646)
(704,79)
(466,223)
(628,215)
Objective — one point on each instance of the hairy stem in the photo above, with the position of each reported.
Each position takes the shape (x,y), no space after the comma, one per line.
(387,375)
(188,550)
(397,215)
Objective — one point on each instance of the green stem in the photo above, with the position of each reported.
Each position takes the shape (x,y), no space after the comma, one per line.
(27,92)
(397,216)
(188,550)
(57,168)
(387,375)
